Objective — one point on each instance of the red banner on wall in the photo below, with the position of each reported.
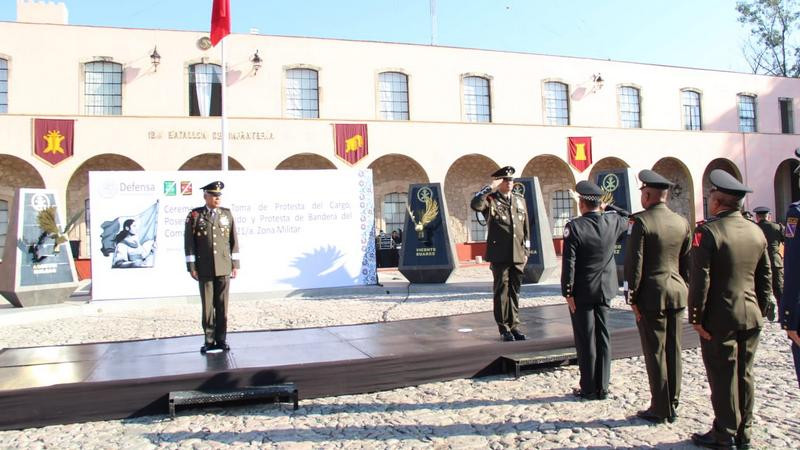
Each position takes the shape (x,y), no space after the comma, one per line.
(579,152)
(350,141)
(53,139)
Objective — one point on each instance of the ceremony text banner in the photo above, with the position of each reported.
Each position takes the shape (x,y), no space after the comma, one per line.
(297,229)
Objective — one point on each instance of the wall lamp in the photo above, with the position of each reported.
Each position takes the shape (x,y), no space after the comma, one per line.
(256,60)
(597,79)
(155,58)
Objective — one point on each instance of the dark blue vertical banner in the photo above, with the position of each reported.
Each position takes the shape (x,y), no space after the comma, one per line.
(42,263)
(525,187)
(619,183)
(427,255)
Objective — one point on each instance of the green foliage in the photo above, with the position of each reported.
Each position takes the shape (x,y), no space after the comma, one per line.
(773,46)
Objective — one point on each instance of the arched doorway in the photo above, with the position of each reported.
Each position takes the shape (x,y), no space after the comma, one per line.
(305,161)
(681,196)
(556,180)
(465,177)
(78,193)
(391,175)
(608,163)
(210,161)
(720,163)
(787,189)
(14,173)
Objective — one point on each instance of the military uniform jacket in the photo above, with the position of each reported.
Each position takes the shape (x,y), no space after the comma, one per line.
(774,234)
(210,244)
(588,271)
(731,279)
(657,260)
(507,240)
(790,303)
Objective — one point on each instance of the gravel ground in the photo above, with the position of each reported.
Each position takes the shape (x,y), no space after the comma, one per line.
(534,411)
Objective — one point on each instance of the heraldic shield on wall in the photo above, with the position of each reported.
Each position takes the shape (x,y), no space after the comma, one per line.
(350,141)
(53,139)
(428,254)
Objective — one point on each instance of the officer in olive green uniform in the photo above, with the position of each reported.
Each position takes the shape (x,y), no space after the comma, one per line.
(507,247)
(774,233)
(212,258)
(657,276)
(730,285)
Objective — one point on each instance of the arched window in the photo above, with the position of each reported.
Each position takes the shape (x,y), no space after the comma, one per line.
(3,226)
(102,88)
(393,88)
(477,104)
(692,118)
(747,113)
(630,107)
(556,103)
(3,86)
(477,227)
(394,211)
(561,206)
(302,93)
(205,90)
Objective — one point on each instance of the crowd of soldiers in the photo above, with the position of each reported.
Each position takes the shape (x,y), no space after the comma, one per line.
(725,272)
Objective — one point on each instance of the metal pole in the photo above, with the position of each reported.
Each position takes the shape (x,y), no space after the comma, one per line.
(433,22)
(224,155)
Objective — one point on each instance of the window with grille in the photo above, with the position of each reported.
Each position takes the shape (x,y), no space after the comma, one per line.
(394,211)
(3,86)
(747,113)
(556,104)
(477,231)
(86,216)
(690,101)
(3,226)
(102,82)
(205,90)
(393,88)
(787,115)
(630,107)
(561,206)
(477,104)
(302,94)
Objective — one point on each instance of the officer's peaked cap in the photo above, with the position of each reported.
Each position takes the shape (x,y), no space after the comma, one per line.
(653,179)
(589,191)
(504,172)
(214,188)
(726,183)
(761,210)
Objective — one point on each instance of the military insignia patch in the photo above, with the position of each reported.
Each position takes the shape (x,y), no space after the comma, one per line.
(698,236)
(566,232)
(791,227)
(224,221)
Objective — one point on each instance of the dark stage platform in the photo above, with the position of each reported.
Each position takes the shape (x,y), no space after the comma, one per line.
(77,383)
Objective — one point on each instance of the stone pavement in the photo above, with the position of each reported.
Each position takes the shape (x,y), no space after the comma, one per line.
(535,411)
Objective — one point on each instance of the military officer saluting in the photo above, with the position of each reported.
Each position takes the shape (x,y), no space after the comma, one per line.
(730,285)
(507,247)
(657,275)
(774,233)
(589,282)
(212,258)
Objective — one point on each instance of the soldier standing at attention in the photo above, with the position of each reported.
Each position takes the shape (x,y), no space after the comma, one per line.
(774,233)
(507,247)
(790,302)
(212,258)
(657,275)
(730,285)
(589,282)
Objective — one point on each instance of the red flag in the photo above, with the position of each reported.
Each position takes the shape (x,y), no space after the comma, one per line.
(53,139)
(220,20)
(351,141)
(579,152)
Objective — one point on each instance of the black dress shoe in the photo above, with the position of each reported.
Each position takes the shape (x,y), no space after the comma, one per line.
(517,335)
(506,336)
(222,346)
(204,349)
(742,444)
(708,440)
(577,392)
(602,395)
(650,416)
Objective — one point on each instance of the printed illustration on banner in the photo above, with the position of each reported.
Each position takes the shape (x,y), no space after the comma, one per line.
(186,188)
(131,239)
(170,188)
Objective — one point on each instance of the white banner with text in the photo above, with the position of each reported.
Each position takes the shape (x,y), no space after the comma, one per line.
(297,229)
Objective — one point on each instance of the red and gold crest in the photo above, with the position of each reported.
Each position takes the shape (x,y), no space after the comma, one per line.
(579,152)
(53,139)
(350,141)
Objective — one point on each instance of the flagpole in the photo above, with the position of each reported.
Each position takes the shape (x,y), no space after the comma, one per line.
(224,155)
(434,23)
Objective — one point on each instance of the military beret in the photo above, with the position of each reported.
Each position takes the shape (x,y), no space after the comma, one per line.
(761,210)
(589,191)
(652,179)
(214,188)
(504,172)
(726,183)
